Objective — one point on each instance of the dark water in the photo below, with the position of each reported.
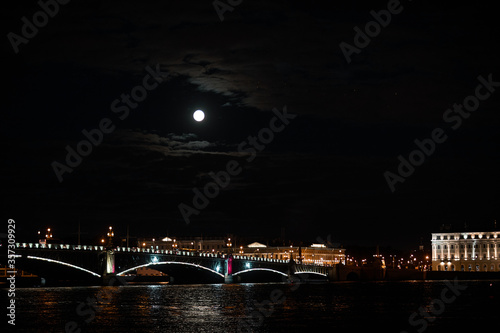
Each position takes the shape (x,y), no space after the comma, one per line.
(325,307)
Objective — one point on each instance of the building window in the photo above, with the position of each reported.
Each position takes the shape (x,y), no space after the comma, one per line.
(461,256)
(462,268)
(492,245)
(438,237)
(468,246)
(445,237)
(445,247)
(452,247)
(439,247)
(439,256)
(462,246)
(484,246)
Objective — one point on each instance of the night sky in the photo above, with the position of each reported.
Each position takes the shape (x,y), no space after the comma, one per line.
(321,174)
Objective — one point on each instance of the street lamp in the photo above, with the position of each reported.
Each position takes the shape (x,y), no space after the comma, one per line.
(110,235)
(48,234)
(229,245)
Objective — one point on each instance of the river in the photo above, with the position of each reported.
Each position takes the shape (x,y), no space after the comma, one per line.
(264,307)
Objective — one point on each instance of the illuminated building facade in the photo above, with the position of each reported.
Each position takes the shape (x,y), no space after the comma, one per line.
(466,251)
(199,244)
(317,254)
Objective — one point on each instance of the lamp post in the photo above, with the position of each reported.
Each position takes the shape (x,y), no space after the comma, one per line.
(229,245)
(110,235)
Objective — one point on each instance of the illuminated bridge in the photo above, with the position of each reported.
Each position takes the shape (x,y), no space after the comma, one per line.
(99,263)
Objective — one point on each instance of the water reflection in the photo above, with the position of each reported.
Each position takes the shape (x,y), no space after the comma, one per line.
(223,308)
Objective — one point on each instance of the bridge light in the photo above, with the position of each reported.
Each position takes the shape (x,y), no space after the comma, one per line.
(217,268)
(154,260)
(247,265)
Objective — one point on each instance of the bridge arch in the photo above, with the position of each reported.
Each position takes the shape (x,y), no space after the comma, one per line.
(170,263)
(260,269)
(63,263)
(312,272)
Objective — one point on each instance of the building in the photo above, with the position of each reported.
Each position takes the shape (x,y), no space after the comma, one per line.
(317,254)
(199,244)
(466,251)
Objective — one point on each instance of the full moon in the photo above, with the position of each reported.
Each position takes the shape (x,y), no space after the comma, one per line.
(198,115)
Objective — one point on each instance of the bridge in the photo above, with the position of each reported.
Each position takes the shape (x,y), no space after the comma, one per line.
(99,263)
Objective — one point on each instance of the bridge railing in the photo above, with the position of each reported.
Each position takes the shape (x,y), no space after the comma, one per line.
(260,259)
(59,246)
(147,250)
